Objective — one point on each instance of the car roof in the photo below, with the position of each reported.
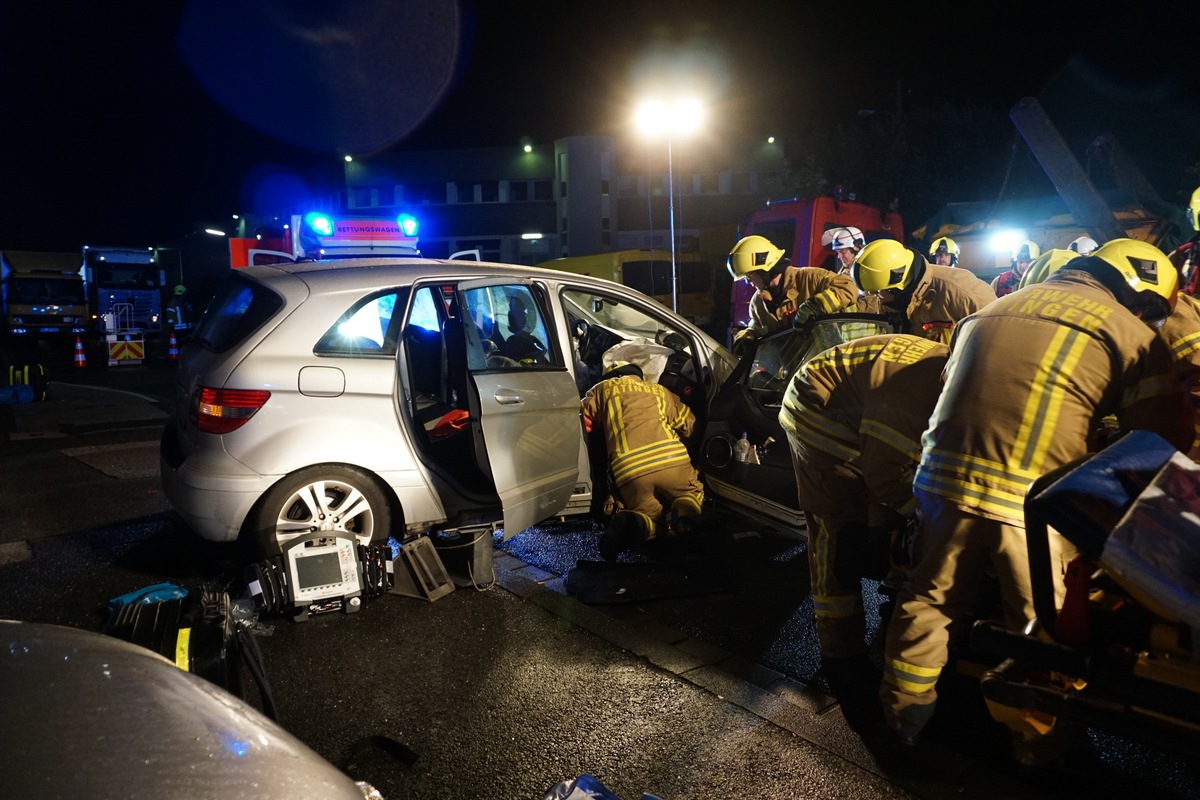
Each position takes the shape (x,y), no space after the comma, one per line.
(367,272)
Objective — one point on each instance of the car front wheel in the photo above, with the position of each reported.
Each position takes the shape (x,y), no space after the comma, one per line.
(341,500)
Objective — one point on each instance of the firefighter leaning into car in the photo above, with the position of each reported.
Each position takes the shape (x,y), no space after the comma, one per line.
(929,298)
(1027,379)
(1008,281)
(944,252)
(783,294)
(643,424)
(853,417)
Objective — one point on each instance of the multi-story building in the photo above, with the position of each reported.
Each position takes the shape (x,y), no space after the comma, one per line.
(579,196)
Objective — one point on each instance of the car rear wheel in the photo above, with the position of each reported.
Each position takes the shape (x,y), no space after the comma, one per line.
(341,500)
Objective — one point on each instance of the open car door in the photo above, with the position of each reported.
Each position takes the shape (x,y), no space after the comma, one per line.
(530,426)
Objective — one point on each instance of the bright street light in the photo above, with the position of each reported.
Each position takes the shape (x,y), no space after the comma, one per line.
(659,119)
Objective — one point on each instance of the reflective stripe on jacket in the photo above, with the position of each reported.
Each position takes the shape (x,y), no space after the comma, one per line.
(868,401)
(1029,379)
(642,423)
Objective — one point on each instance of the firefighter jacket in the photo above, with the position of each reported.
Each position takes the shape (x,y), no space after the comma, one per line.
(1181,332)
(943,296)
(1006,282)
(827,292)
(1029,378)
(642,424)
(867,402)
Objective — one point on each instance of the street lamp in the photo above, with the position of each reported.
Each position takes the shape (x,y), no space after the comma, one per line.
(656,118)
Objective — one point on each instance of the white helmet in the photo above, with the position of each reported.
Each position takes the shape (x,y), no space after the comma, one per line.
(1083,245)
(843,238)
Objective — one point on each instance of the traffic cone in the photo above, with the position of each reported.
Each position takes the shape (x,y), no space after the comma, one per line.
(173,349)
(80,357)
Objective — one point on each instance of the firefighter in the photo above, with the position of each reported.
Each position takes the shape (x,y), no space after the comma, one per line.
(783,294)
(1046,265)
(643,424)
(178,312)
(846,243)
(944,252)
(930,298)
(1008,281)
(1083,245)
(1027,378)
(854,416)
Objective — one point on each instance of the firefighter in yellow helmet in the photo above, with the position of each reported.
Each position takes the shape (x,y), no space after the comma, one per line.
(1027,378)
(784,295)
(930,298)
(853,415)
(1046,265)
(643,425)
(944,252)
(1008,281)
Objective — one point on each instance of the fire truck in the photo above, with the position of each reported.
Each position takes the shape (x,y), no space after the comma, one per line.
(124,287)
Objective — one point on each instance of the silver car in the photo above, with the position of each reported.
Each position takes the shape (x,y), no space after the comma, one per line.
(401,396)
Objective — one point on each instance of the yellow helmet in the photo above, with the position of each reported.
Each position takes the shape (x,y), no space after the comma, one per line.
(1147,271)
(1193,210)
(1046,265)
(945,245)
(751,254)
(883,264)
(1026,248)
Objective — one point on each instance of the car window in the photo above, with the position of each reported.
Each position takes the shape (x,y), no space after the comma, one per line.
(777,357)
(510,329)
(366,329)
(237,310)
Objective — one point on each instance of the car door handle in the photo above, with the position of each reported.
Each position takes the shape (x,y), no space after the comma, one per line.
(507,397)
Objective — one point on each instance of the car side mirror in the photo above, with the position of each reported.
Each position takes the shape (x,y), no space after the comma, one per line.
(674,340)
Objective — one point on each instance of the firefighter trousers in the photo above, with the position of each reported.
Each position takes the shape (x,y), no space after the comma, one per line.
(952,552)
(648,497)
(834,498)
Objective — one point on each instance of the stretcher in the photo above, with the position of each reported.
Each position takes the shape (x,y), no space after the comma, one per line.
(1120,653)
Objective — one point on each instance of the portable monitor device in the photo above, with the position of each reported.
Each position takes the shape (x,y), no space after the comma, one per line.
(323,574)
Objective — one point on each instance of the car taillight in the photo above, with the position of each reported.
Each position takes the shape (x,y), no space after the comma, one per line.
(225,410)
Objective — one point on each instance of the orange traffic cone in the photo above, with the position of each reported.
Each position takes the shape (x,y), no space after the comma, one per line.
(173,349)
(80,357)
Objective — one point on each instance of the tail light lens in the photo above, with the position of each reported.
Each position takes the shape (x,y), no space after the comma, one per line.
(225,410)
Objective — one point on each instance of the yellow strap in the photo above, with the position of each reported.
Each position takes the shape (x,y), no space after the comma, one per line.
(182,646)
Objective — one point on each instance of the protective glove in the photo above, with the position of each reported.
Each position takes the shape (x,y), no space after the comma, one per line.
(804,312)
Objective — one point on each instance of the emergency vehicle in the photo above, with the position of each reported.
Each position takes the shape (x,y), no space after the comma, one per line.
(316,236)
(124,288)
(42,296)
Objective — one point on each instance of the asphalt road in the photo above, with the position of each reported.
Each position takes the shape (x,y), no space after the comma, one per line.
(698,681)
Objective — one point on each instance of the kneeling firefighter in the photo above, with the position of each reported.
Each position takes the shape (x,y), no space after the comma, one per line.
(643,425)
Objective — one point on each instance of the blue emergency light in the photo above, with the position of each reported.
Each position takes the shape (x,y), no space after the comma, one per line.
(321,224)
(408,224)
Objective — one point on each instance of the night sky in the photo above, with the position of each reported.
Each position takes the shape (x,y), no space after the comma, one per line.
(134,129)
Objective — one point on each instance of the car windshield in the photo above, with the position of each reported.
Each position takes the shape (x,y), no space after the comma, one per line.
(777,357)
